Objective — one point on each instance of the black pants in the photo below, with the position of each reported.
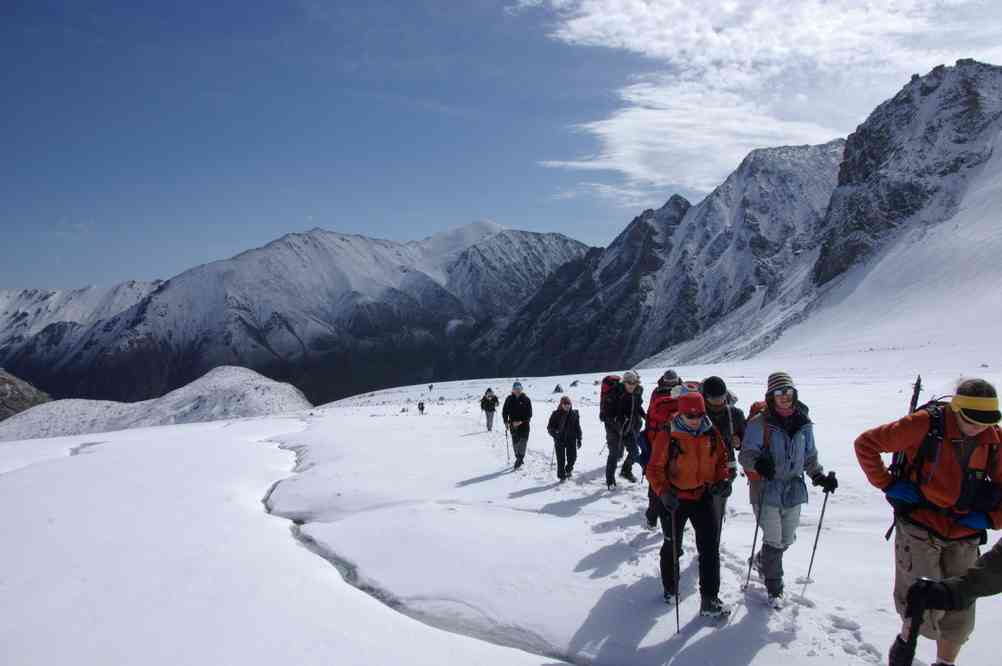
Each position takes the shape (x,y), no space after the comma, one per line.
(616,442)
(520,441)
(703,515)
(567,455)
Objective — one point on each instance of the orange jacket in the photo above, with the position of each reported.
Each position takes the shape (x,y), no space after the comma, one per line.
(942,479)
(686,464)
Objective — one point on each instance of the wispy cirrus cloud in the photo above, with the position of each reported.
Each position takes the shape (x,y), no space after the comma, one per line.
(729,76)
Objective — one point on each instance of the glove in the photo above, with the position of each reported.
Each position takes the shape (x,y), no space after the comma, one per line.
(669,500)
(903,492)
(987,497)
(721,489)
(766,467)
(976,520)
(579,443)
(827,481)
(930,594)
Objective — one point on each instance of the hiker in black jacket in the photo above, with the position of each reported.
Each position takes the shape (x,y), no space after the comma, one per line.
(489,405)
(623,426)
(565,429)
(516,413)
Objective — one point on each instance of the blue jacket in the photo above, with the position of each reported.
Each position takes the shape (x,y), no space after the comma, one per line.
(794,455)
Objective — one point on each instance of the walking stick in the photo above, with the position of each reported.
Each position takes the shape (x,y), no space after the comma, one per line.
(818,535)
(675,549)
(507,443)
(758,522)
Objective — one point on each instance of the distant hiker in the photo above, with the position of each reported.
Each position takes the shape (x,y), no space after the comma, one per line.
(558,389)
(729,422)
(489,405)
(430,387)
(516,413)
(688,469)
(660,411)
(777,449)
(565,429)
(946,493)
(420,408)
(623,414)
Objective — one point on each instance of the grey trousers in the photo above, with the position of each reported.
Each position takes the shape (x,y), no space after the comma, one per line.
(490,420)
(779,532)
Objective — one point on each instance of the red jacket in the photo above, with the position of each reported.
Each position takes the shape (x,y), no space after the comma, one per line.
(942,480)
(686,464)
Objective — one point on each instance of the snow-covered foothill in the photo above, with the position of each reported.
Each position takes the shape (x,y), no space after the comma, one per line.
(223,393)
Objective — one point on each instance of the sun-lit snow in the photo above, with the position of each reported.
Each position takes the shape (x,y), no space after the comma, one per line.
(223,393)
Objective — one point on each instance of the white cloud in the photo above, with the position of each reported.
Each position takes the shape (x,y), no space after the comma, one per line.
(734,75)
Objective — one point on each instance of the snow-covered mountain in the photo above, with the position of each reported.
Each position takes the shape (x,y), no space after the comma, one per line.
(332,313)
(223,393)
(17,395)
(911,227)
(676,272)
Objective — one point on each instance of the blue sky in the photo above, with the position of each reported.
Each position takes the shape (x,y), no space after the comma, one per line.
(141,141)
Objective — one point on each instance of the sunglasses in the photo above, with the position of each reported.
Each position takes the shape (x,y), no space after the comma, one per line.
(630,383)
(784,392)
(692,415)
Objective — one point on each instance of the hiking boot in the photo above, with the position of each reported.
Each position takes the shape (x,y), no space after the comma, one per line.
(776,600)
(628,475)
(611,485)
(652,524)
(570,471)
(713,607)
(561,478)
(518,463)
(670,598)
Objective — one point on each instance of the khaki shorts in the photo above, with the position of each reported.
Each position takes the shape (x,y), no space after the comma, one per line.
(919,554)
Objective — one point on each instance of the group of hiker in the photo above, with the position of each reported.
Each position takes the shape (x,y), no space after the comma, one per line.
(691,440)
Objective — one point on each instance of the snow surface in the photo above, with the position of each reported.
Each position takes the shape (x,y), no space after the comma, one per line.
(153,542)
(223,393)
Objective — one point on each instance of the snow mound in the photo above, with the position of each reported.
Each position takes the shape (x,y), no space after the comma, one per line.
(224,393)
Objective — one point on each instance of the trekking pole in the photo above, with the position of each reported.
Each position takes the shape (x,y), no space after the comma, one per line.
(818,535)
(675,549)
(507,443)
(915,613)
(758,522)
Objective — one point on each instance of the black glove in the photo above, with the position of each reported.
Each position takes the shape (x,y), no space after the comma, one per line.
(987,497)
(828,482)
(722,489)
(766,467)
(669,500)
(928,594)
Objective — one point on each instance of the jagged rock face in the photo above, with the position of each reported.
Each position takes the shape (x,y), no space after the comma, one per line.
(675,272)
(17,396)
(907,164)
(331,313)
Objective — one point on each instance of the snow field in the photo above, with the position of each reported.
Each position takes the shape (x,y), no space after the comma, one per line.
(429,516)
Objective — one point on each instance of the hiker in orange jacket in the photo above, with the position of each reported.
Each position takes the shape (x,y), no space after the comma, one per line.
(688,468)
(943,505)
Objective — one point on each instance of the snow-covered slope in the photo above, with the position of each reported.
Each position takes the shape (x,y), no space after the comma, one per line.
(224,393)
(26,312)
(329,312)
(911,233)
(17,395)
(676,272)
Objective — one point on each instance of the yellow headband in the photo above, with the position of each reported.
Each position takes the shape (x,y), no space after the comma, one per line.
(960,402)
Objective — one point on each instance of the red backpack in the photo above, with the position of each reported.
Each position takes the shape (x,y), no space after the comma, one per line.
(662,409)
(609,383)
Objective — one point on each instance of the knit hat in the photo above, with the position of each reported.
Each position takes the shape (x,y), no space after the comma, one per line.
(779,380)
(565,400)
(631,376)
(714,387)
(670,378)
(491,391)
(517,386)
(691,405)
